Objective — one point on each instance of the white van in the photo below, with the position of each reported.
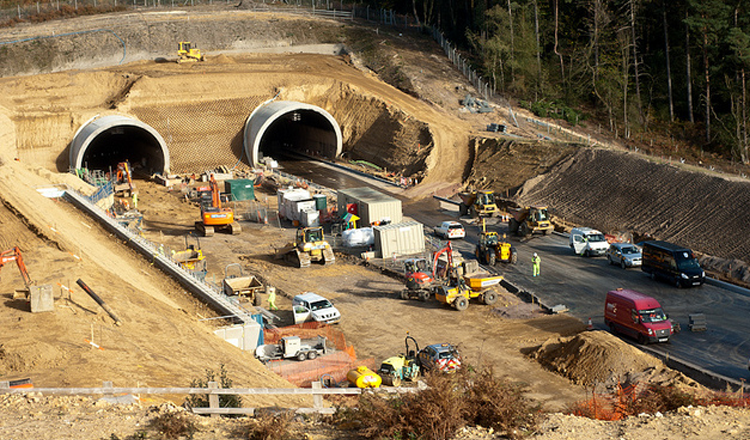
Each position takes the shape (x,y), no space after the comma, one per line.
(588,242)
(310,306)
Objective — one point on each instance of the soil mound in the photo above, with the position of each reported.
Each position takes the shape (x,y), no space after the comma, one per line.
(598,358)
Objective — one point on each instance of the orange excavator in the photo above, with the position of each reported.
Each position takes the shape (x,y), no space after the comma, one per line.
(15,255)
(214,217)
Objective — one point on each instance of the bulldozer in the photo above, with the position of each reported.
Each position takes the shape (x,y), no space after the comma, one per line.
(402,367)
(309,245)
(491,248)
(214,217)
(479,203)
(530,220)
(187,52)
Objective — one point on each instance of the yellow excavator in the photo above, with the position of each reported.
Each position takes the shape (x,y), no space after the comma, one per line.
(187,51)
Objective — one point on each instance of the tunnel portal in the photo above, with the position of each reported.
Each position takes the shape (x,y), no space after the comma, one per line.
(288,126)
(102,143)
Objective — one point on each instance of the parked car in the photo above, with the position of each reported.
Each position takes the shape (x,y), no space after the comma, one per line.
(624,254)
(673,263)
(441,357)
(450,230)
(310,306)
(588,242)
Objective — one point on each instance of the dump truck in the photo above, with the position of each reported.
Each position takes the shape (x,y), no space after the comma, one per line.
(529,220)
(309,245)
(293,347)
(423,275)
(459,292)
(246,286)
(479,203)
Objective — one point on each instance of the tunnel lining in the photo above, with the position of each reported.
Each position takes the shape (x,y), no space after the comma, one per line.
(89,138)
(265,120)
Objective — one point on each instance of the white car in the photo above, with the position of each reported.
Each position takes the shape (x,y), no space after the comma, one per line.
(450,230)
(588,242)
(310,306)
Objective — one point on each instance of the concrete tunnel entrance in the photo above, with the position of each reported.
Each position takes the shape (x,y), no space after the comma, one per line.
(102,143)
(291,126)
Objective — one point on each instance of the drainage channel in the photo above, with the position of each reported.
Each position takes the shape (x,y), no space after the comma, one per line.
(206,292)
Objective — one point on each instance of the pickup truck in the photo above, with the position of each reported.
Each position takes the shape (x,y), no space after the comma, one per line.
(293,347)
(450,230)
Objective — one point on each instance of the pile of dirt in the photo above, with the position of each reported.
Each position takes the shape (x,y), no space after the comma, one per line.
(599,359)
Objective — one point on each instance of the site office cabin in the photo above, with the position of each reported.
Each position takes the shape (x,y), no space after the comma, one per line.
(636,315)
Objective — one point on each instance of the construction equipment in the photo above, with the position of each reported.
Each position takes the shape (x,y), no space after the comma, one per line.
(457,294)
(192,257)
(123,183)
(479,203)
(363,377)
(422,275)
(530,220)
(309,245)
(491,248)
(15,255)
(242,285)
(214,217)
(187,52)
(405,366)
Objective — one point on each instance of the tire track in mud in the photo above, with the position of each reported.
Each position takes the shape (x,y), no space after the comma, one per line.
(613,191)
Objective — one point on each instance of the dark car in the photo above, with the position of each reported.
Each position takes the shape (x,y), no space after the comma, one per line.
(672,263)
(624,254)
(441,357)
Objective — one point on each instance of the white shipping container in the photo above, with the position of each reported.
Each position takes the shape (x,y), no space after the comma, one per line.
(399,239)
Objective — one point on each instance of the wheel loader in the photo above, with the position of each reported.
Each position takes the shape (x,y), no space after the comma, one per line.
(530,220)
(309,245)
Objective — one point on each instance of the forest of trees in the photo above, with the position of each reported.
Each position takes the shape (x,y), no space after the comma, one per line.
(677,67)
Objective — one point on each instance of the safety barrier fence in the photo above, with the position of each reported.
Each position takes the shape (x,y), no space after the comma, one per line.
(210,293)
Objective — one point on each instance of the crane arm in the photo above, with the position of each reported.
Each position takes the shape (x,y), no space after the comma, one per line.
(215,195)
(15,255)
(449,249)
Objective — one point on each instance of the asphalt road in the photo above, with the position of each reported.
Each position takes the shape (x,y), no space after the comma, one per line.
(581,283)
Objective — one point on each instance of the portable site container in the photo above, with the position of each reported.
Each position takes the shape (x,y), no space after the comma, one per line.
(295,207)
(309,218)
(286,195)
(371,206)
(399,239)
(240,189)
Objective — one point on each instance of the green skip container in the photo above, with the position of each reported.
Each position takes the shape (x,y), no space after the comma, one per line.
(240,189)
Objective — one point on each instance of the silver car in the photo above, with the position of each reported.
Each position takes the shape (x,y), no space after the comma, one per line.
(624,254)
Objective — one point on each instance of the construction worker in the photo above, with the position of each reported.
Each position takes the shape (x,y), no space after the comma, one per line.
(135,201)
(272,298)
(535,264)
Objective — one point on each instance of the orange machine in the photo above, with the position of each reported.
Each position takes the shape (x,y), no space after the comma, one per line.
(15,255)
(214,217)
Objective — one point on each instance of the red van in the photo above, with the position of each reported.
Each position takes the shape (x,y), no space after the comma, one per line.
(637,315)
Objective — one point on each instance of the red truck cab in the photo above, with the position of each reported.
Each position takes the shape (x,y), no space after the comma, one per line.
(636,315)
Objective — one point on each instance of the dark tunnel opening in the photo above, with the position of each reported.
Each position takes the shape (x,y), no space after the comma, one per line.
(302,131)
(125,143)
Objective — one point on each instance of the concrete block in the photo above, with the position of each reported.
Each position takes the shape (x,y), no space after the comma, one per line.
(42,299)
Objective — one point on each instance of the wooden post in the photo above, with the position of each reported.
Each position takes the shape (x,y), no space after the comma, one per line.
(107,384)
(213,399)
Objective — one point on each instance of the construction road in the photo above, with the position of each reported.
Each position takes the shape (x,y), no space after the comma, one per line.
(581,283)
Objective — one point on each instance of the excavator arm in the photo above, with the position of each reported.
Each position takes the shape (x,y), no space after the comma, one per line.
(15,255)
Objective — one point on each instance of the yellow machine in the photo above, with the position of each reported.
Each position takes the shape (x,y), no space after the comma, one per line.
(458,294)
(186,51)
(530,220)
(478,203)
(309,245)
(491,248)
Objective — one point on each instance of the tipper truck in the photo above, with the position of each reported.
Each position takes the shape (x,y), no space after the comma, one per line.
(530,220)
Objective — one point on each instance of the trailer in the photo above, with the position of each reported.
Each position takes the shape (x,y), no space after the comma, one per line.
(242,285)
(293,347)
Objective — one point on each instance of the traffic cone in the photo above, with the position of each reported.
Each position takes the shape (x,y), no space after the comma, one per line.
(590,325)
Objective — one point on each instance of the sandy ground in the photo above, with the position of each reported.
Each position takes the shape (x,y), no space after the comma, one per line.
(164,340)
